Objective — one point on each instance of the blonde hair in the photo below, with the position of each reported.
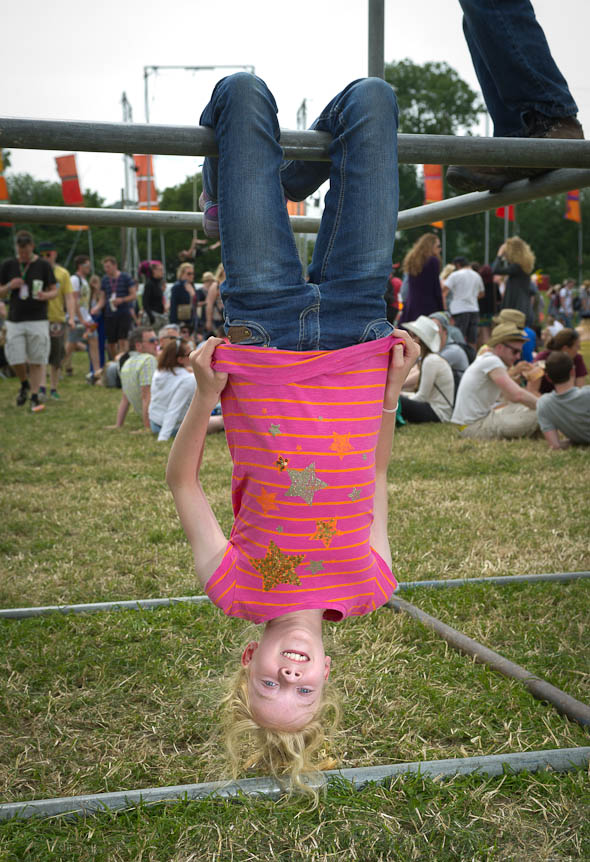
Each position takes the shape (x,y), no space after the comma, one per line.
(519,252)
(207,276)
(220,273)
(183,268)
(417,256)
(449,268)
(278,753)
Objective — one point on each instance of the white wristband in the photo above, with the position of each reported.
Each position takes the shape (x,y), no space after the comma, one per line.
(385,410)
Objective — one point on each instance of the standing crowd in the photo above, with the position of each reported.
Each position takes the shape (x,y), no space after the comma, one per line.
(46,314)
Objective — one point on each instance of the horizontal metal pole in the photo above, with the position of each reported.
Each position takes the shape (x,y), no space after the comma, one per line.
(524,190)
(150,604)
(499,580)
(558,759)
(553,183)
(539,688)
(72,135)
(97,607)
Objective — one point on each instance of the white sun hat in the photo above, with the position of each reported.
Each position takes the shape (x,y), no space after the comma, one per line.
(426,330)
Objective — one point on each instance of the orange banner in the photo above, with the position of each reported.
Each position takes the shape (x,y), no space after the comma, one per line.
(572,206)
(147,194)
(296,208)
(70,185)
(4,196)
(433,188)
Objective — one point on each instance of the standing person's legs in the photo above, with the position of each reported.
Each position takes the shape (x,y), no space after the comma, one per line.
(524,91)
(513,64)
(354,247)
(264,293)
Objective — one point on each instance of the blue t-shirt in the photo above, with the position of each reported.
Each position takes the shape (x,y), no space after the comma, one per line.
(529,346)
(119,286)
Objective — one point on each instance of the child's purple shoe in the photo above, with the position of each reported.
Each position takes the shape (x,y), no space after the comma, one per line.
(209,209)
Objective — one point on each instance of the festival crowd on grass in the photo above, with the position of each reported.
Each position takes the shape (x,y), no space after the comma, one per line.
(499,350)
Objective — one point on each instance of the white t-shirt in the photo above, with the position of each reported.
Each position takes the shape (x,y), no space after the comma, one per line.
(464,286)
(170,397)
(82,288)
(437,386)
(566,300)
(477,393)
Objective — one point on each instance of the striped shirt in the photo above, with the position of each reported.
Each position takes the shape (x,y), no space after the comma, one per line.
(302,429)
(137,372)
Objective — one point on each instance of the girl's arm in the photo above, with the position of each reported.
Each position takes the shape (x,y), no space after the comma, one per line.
(202,529)
(402,359)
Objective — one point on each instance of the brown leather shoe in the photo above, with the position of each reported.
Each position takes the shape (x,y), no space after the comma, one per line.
(471,178)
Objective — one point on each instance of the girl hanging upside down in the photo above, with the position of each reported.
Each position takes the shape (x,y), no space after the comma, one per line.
(309,379)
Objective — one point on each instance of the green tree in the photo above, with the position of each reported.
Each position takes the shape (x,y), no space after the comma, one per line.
(433,99)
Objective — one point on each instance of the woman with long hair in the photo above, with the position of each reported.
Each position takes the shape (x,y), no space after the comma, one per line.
(568,341)
(183,295)
(309,384)
(422,267)
(515,259)
(153,299)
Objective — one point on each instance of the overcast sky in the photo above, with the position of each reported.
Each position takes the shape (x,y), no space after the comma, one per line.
(72,59)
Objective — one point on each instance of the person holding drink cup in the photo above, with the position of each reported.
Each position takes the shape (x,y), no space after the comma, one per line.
(28,282)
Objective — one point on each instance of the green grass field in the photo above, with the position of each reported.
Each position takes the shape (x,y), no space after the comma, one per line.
(125,700)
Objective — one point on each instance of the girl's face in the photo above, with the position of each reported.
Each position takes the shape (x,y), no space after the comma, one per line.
(157,270)
(288,669)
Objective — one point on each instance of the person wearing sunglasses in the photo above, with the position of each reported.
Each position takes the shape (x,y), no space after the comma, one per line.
(489,403)
(137,370)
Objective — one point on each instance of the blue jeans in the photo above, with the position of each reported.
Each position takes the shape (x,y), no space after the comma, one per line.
(513,64)
(342,303)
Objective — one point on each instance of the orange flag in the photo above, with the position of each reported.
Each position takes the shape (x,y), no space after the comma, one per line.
(4,196)
(433,188)
(572,206)
(70,185)
(147,194)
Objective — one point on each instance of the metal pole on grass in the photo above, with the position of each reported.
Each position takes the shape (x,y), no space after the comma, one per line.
(539,688)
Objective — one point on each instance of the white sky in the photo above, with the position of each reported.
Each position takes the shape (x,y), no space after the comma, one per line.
(72,59)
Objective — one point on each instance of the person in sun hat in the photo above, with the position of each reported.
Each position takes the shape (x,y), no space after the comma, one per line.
(434,396)
(489,404)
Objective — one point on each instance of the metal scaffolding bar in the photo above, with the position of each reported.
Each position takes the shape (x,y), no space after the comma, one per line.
(25,133)
(539,688)
(558,760)
(376,67)
(151,604)
(552,183)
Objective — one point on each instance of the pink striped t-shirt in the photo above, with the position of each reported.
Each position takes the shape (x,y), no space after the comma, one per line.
(302,429)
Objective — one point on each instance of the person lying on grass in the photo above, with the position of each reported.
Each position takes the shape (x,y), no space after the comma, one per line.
(309,380)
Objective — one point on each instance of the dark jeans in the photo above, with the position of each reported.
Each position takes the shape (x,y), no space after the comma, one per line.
(417,411)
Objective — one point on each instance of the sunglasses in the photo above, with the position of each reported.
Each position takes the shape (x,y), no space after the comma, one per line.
(516,351)
(153,340)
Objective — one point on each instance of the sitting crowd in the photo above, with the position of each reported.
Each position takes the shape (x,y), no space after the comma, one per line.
(510,387)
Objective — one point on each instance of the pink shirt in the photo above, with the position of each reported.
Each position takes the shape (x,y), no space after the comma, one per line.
(302,429)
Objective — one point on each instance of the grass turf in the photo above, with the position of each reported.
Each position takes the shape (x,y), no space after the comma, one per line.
(124,700)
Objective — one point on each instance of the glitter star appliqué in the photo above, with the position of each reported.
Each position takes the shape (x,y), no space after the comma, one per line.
(275,429)
(325,531)
(341,444)
(355,494)
(316,566)
(304,483)
(267,501)
(277,567)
